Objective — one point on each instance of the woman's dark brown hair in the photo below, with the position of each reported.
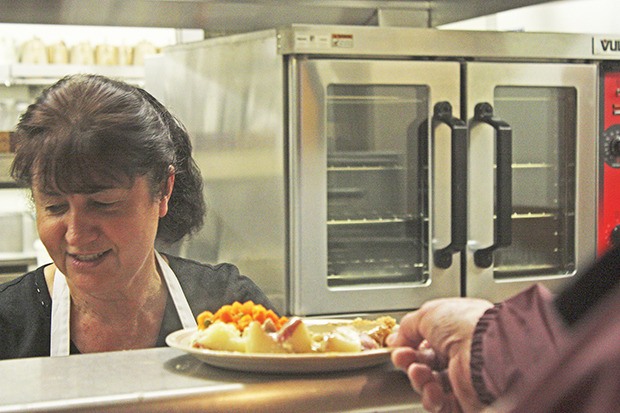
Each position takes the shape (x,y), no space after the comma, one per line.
(87,133)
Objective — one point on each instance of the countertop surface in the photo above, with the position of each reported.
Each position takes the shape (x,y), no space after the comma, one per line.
(166,379)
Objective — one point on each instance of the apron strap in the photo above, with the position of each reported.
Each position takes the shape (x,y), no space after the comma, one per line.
(61,306)
(176,292)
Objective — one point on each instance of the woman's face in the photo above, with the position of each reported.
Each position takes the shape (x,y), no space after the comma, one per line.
(101,241)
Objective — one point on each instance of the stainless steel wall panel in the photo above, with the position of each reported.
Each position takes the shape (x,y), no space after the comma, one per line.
(229,94)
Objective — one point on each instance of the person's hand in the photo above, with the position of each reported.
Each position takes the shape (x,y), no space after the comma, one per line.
(433,347)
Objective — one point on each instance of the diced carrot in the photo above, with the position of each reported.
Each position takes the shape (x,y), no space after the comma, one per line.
(244,322)
(226,317)
(202,317)
(247,307)
(240,314)
(260,317)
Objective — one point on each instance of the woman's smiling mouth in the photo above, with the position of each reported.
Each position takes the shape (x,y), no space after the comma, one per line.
(87,257)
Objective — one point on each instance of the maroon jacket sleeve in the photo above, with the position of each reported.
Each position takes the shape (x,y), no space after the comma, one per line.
(513,341)
(585,378)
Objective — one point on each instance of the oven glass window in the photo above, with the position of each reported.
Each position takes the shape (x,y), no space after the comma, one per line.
(543,121)
(377,179)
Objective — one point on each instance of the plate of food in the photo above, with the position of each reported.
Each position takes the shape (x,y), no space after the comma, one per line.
(263,342)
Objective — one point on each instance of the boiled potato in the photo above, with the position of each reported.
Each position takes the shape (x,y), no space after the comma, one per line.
(343,339)
(295,337)
(221,336)
(258,341)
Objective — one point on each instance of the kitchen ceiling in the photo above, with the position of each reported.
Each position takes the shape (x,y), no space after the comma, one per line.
(248,15)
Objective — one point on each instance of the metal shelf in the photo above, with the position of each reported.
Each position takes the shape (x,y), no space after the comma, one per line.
(33,74)
(370,219)
(6,159)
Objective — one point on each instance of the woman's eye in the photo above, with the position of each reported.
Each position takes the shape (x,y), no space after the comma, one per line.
(56,208)
(105,204)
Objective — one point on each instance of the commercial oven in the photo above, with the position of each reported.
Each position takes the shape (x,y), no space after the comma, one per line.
(368,169)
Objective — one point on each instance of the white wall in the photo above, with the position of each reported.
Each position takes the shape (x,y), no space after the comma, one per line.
(569,16)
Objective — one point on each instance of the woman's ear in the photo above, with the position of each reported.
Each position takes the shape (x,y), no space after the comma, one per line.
(166,193)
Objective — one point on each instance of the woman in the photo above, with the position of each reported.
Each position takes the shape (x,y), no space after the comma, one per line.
(111,172)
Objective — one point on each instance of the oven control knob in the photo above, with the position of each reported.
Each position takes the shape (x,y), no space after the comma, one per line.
(614,146)
(611,146)
(614,237)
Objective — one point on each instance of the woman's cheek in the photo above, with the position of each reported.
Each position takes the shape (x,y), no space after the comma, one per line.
(50,231)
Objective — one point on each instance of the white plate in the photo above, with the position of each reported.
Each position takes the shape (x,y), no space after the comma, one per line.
(279,363)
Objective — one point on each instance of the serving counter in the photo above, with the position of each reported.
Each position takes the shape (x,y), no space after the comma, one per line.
(166,379)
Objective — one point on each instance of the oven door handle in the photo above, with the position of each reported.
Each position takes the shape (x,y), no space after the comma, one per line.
(502,235)
(442,113)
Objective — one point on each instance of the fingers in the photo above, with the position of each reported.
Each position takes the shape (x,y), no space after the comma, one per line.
(442,378)
(427,377)
(430,340)
(427,355)
(431,387)
(419,375)
(402,357)
(433,399)
(441,322)
(408,334)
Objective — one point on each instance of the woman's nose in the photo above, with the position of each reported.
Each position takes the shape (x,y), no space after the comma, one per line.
(81,229)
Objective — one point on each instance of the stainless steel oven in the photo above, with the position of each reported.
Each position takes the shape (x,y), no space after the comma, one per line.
(359,169)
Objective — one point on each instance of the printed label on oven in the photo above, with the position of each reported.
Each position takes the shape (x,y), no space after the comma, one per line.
(605,46)
(311,41)
(342,40)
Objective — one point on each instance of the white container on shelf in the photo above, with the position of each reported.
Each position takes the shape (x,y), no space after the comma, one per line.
(34,51)
(8,51)
(141,50)
(106,55)
(82,54)
(58,53)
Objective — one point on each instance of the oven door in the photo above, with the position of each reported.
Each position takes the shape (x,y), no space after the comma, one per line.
(532,174)
(371,205)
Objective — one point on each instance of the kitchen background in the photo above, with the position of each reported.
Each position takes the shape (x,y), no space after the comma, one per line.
(33,56)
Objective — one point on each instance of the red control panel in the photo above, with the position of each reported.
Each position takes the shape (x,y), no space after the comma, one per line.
(609,172)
